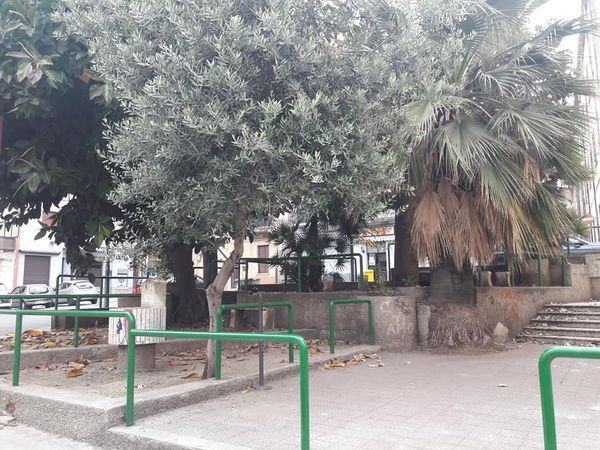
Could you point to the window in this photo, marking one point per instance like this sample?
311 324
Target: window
263 252
38 289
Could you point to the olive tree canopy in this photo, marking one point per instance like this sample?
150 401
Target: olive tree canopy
244 109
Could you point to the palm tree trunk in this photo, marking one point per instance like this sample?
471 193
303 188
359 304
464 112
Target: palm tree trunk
406 264
449 285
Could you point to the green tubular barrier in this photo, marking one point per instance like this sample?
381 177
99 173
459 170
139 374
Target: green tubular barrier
65 313
293 339
545 376
219 325
332 305
77 297
299 260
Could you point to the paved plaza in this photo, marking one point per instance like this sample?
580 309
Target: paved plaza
417 400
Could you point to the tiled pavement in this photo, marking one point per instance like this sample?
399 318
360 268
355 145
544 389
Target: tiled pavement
417 400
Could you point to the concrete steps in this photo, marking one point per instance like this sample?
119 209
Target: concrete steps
577 323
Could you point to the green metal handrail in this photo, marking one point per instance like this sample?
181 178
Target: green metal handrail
55 297
298 259
219 324
332 305
19 313
545 376
99 277
293 339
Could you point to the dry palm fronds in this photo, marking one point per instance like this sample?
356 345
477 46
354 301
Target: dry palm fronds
456 325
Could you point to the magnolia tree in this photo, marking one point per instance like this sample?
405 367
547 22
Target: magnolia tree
244 109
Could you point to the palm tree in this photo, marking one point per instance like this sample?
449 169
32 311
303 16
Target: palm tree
498 136
313 237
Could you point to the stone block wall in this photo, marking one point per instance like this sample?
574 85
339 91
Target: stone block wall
394 315
516 306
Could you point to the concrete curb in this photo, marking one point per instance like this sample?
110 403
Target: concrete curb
87 418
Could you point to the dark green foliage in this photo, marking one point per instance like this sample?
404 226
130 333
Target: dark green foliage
52 148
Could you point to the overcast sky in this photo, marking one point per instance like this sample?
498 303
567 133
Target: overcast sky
560 9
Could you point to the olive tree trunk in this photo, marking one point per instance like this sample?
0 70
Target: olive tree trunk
190 308
214 292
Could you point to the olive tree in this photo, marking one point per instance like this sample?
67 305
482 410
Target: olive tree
243 109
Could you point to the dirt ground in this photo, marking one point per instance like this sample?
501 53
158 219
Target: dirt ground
102 376
36 339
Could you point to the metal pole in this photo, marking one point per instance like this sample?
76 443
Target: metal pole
261 347
291 331
331 328
564 270
371 325
299 275
218 344
76 324
56 291
17 351
304 396
130 374
101 292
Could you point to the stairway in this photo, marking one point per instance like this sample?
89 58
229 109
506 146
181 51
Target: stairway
567 323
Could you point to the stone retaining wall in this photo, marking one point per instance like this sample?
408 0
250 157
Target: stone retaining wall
394 315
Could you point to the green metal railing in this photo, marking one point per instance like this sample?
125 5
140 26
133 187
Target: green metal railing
545 376
18 313
332 305
55 297
219 324
292 339
299 260
62 276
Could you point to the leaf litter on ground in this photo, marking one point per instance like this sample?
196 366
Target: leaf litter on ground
358 358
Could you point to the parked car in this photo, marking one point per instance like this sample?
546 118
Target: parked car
77 287
3 291
32 289
577 246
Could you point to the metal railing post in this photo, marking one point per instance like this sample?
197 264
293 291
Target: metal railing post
56 291
52 313
76 324
130 383
238 306
289 338
17 350
299 275
331 328
332 305
218 344
545 377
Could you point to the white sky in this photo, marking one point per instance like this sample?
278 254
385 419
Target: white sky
557 10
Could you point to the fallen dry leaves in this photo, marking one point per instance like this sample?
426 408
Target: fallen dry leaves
335 363
35 339
190 375
74 373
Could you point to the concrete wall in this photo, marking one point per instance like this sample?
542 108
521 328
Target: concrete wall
394 315
516 306
593 266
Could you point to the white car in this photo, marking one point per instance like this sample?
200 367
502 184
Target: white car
77 287
4 291
32 289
